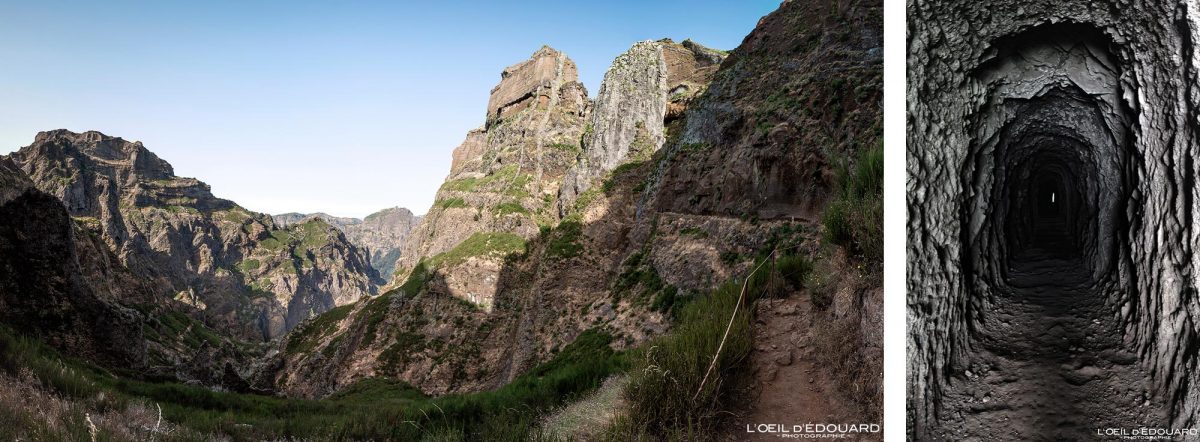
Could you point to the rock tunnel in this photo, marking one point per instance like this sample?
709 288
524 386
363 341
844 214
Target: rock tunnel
1051 200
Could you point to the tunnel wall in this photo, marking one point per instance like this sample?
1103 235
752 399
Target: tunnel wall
950 96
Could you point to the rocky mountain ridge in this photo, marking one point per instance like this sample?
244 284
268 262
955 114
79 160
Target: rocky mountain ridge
60 283
381 234
239 269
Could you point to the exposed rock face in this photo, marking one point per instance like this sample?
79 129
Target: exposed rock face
60 283
547 69
504 177
1052 138
55 282
245 273
614 258
627 123
801 91
381 234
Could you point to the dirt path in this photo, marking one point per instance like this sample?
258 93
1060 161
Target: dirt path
1049 364
791 389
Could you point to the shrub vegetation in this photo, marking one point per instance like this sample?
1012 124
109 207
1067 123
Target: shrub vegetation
854 219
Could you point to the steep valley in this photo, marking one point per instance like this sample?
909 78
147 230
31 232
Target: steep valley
652 251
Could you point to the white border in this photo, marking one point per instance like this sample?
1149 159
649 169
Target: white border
895 220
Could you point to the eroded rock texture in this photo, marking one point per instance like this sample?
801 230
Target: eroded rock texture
1051 197
244 273
650 81
56 283
381 234
503 178
60 282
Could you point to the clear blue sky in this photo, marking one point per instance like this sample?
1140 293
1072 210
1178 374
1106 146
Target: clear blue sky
294 106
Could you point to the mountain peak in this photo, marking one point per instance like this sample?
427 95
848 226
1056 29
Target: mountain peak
530 81
91 135
97 149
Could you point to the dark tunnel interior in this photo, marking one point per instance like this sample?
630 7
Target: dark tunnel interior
1068 299
1047 225
1050 158
1052 213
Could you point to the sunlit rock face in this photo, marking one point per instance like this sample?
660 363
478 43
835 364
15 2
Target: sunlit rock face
1052 143
242 272
502 179
644 88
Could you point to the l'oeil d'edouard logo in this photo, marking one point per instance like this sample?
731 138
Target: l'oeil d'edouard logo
813 431
1149 433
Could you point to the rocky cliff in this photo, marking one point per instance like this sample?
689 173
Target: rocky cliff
381 234
59 282
238 268
644 89
54 282
503 273
504 177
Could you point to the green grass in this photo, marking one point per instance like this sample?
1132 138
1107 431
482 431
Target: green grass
277 241
667 396
854 219
563 241
510 207
249 265
173 326
570 148
315 233
370 409
376 389
403 346
309 334
507 181
479 244
450 203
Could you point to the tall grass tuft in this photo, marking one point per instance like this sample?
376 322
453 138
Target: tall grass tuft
667 394
854 219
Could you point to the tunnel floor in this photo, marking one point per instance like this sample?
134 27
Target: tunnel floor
1048 364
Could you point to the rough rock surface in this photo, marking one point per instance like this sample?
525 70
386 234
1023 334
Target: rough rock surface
381 234
242 271
630 111
59 282
522 85
54 283
802 92
1050 193
502 184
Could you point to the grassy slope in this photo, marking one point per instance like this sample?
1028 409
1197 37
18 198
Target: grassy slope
371 409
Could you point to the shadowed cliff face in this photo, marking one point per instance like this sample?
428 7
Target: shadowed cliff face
54 283
1051 186
241 270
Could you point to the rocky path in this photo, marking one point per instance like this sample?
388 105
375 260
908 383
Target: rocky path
791 389
1049 364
